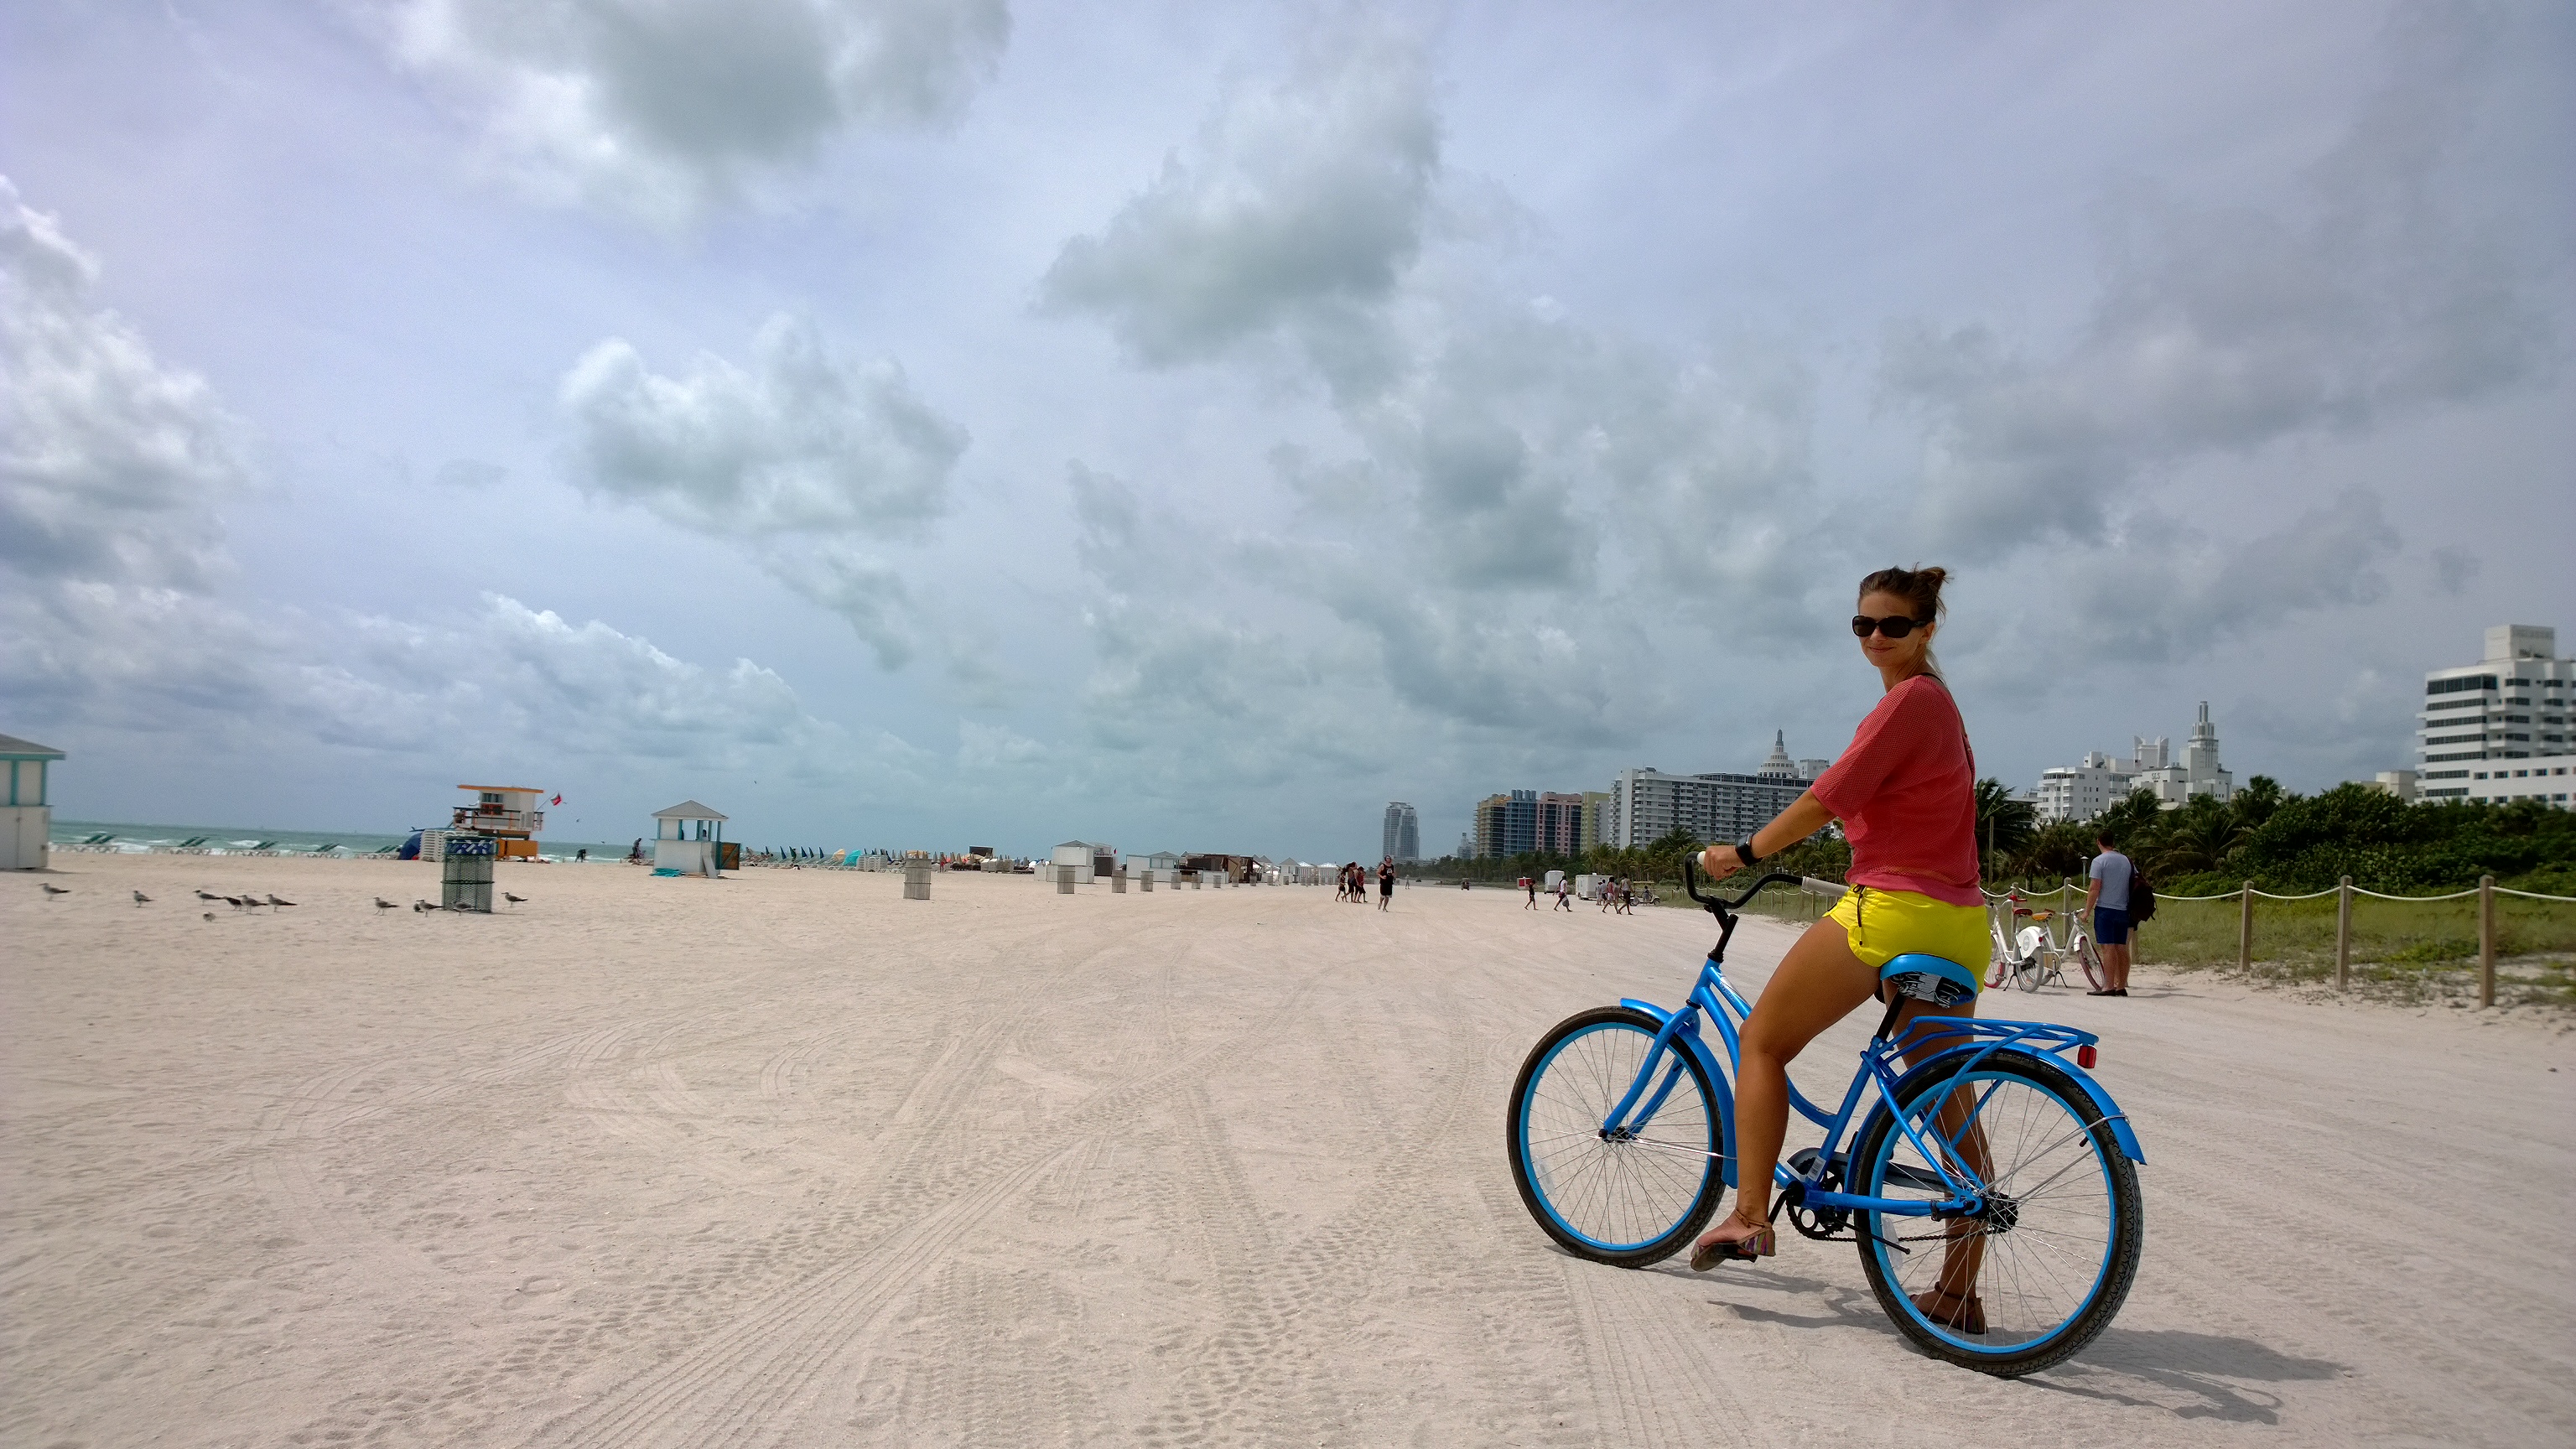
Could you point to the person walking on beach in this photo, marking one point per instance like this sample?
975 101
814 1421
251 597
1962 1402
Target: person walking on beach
1906 794
1530 885
2106 895
1385 882
1564 896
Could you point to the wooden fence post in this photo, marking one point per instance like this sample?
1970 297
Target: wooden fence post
2486 940
2343 934
2245 931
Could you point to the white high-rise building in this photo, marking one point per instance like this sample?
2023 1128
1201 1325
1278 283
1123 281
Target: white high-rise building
2080 792
1403 833
1645 804
2199 772
2513 705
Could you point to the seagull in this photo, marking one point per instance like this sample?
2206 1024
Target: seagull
274 901
239 904
140 899
201 895
514 900
419 906
383 905
52 889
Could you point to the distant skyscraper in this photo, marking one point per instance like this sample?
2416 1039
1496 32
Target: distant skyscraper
1507 824
1402 838
1596 822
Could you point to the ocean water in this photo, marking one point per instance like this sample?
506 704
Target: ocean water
133 838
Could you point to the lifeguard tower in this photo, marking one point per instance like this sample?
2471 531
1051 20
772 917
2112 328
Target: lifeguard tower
27 820
506 813
688 839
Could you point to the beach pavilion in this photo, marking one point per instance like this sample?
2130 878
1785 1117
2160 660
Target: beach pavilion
27 821
688 838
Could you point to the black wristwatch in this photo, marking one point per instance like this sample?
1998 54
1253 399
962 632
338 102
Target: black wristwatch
1744 851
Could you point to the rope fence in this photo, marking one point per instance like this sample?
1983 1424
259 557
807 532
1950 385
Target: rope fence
2345 893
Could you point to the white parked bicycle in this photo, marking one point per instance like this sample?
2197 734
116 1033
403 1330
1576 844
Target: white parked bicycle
2030 957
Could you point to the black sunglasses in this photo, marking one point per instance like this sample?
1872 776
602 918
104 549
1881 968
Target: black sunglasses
1894 626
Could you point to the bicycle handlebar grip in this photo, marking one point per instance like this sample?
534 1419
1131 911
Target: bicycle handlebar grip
1825 888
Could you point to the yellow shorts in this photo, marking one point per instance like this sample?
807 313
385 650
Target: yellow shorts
1882 925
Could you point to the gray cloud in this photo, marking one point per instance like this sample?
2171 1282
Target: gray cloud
1297 210
587 689
797 443
664 107
799 457
160 662
2167 591
2454 569
870 594
2365 294
111 462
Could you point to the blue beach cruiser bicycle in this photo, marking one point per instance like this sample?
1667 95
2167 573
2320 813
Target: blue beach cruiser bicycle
1993 1169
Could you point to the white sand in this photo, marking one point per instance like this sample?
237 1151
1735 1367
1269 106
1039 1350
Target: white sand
788 1160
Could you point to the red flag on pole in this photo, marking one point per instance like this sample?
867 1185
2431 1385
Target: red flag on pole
558 800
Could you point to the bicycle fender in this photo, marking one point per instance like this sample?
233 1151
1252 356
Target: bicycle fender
1718 1081
1950 1060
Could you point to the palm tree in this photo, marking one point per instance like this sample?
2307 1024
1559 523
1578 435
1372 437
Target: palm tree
2005 823
2200 837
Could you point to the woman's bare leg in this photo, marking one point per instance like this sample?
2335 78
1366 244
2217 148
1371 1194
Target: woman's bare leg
1818 984
1965 1252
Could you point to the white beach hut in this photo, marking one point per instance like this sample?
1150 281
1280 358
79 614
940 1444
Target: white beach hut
1080 855
27 820
689 838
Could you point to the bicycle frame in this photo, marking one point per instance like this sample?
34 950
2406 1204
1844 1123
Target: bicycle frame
1957 1044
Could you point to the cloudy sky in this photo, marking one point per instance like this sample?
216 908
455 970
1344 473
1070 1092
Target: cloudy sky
917 422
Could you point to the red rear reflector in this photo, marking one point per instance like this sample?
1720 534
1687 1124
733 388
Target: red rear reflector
2085 1056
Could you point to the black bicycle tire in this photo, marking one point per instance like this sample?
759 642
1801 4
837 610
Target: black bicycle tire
1712 1188
2129 1242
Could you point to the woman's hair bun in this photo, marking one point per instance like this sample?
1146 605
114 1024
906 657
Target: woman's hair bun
1919 587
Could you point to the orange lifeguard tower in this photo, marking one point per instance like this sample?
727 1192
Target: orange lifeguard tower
507 813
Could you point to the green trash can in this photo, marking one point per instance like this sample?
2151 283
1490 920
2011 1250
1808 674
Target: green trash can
465 873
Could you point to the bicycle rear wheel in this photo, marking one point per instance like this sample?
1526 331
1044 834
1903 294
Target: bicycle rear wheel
2034 971
2049 1263
1629 1198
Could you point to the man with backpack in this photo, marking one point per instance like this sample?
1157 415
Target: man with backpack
2115 888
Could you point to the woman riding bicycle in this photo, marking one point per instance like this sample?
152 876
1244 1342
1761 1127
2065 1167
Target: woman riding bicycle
1906 794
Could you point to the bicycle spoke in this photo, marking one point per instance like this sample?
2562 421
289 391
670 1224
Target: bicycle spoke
1627 1189
2037 1255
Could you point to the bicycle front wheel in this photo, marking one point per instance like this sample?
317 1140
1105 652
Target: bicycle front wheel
2092 963
2045 1269
2034 971
1630 1197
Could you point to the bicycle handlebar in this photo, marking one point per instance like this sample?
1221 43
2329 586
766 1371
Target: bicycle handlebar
1717 904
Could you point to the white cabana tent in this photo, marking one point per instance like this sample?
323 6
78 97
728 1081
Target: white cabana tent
689 838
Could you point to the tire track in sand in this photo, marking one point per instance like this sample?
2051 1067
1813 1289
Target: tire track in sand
730 1388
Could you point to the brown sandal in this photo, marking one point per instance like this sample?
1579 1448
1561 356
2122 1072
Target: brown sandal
1952 1310
1756 1244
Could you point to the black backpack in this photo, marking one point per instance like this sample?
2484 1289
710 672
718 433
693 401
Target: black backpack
2142 896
